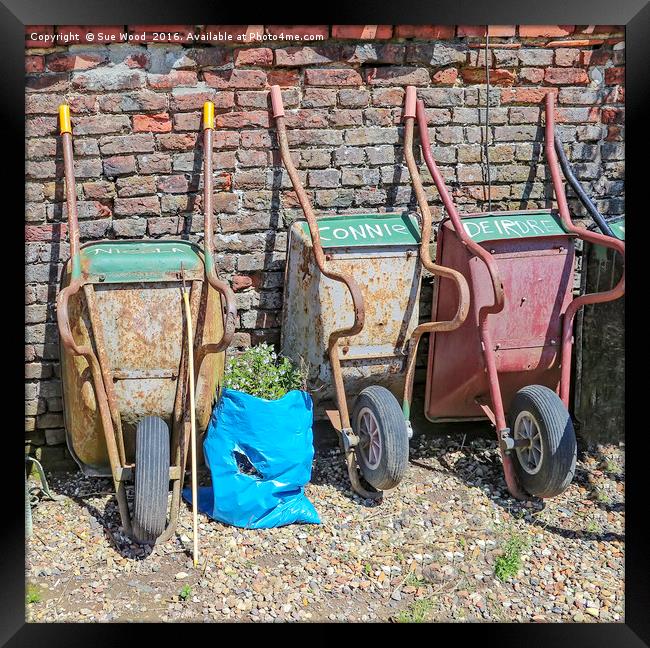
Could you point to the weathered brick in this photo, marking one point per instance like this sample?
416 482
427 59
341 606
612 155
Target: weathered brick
162 225
177 142
346 155
143 206
105 79
369 136
172 79
385 54
448 76
132 186
353 98
387 76
440 97
154 163
535 57
388 97
307 55
142 100
101 125
130 227
254 56
332 77
121 144
533 31
566 76
237 78
359 177
66 61
614 75
437 54
318 98
157 123
531 75
34 64
99 190
257 118
497 77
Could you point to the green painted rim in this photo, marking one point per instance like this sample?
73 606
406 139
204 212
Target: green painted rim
366 230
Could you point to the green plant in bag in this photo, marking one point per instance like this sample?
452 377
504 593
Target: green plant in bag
260 371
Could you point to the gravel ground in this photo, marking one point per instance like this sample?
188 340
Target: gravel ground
430 552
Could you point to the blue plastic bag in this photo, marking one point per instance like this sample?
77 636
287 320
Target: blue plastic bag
275 436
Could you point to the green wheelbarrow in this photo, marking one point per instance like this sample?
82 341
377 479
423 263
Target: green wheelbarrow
124 358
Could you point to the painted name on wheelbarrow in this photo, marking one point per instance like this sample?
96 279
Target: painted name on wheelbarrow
512 226
367 230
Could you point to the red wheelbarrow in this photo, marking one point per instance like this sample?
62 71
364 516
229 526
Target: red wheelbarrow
510 361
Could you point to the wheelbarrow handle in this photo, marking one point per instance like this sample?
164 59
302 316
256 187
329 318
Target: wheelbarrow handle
63 319
473 247
592 237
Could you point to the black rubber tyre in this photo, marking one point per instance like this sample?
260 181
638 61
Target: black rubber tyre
151 479
386 466
550 471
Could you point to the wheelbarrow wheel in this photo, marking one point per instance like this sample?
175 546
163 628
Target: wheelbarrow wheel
383 449
546 465
151 479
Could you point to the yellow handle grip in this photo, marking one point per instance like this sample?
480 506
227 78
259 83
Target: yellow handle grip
64 119
208 115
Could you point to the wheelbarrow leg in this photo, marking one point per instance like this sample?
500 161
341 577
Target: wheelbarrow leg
350 440
499 416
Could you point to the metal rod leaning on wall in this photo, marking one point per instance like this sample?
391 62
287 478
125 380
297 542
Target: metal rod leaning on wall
228 297
425 256
593 237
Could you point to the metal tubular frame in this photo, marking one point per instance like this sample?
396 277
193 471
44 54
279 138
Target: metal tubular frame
425 256
101 375
593 237
497 415
347 280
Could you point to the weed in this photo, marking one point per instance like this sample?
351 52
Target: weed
399 555
602 496
367 568
593 527
413 580
185 593
509 563
261 372
462 542
33 594
613 468
417 612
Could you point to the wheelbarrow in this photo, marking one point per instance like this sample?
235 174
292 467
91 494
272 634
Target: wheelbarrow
512 356
124 358
350 313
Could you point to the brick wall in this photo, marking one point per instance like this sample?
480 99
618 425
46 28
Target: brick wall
136 114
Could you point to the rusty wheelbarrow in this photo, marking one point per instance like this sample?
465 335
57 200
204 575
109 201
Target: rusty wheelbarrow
124 361
350 313
512 356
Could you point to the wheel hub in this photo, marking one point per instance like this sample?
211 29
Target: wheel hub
369 438
531 452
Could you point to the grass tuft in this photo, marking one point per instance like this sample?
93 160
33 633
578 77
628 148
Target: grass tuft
508 564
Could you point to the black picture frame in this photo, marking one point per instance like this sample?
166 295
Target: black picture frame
634 14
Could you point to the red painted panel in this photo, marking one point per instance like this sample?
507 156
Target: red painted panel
537 275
